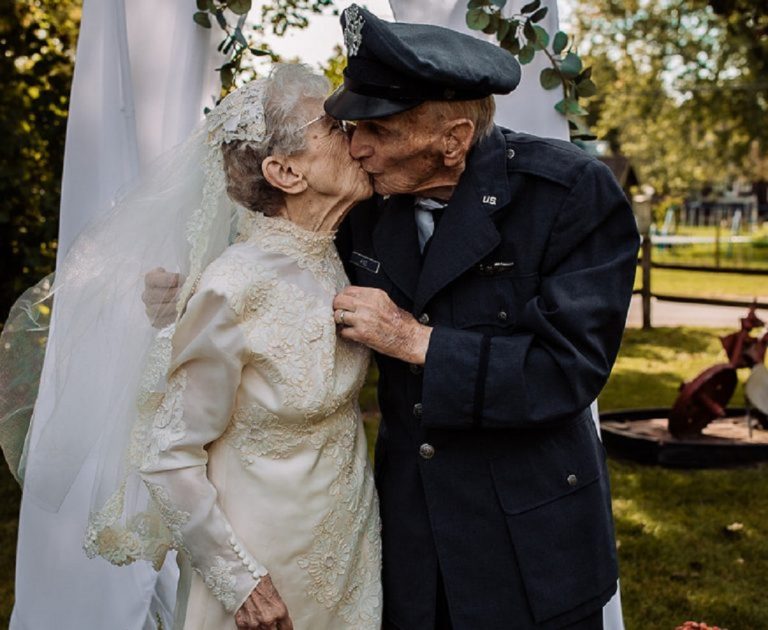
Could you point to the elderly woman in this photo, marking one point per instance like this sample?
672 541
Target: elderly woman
250 442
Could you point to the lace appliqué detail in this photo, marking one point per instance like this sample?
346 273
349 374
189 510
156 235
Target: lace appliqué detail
343 569
247 286
314 251
240 116
256 432
222 582
173 519
168 425
149 535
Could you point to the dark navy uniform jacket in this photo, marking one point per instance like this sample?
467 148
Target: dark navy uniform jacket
488 465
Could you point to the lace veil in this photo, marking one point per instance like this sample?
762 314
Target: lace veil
105 366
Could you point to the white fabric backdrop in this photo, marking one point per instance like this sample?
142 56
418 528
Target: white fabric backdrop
529 108
142 77
144 72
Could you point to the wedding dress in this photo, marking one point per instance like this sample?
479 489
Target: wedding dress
260 375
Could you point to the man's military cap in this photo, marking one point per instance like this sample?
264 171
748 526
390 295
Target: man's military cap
393 67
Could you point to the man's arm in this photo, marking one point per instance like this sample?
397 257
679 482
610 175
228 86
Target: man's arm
368 316
566 338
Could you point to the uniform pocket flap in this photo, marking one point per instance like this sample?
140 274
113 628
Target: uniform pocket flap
553 467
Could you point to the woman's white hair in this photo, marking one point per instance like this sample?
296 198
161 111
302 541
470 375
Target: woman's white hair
290 86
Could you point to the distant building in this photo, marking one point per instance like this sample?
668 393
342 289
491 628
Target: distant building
620 165
622 170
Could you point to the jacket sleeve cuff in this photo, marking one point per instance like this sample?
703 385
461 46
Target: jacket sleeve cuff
454 379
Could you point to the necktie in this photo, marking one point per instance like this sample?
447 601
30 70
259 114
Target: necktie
428 213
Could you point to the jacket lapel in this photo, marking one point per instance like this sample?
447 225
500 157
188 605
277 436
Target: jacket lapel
396 243
466 233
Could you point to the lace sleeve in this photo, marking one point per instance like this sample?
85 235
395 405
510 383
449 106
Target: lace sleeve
209 353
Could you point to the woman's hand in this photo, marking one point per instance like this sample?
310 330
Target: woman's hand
161 291
264 609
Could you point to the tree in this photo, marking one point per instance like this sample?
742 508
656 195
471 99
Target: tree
682 95
38 39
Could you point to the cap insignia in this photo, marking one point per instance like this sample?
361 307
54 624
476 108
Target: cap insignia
353 31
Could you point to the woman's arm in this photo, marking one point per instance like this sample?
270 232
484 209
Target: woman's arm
209 352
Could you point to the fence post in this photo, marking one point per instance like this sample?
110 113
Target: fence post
646 289
718 226
642 208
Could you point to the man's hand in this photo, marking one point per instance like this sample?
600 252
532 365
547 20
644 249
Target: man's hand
264 609
161 291
369 317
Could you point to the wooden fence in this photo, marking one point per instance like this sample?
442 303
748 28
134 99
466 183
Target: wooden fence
646 263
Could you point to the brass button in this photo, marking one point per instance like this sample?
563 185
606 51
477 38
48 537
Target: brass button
417 410
415 369
424 319
502 315
427 451
572 480
510 153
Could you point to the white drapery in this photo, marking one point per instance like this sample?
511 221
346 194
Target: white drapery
529 108
143 74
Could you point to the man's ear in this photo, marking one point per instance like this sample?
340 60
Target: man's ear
457 141
281 173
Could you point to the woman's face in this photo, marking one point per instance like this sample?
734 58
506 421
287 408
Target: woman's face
326 163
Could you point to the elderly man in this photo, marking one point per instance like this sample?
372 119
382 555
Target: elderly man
492 275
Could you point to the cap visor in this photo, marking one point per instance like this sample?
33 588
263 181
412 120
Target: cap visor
346 105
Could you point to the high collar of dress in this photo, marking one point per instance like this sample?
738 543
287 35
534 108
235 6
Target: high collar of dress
287 236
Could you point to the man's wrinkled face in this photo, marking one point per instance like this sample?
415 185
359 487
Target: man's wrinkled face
402 153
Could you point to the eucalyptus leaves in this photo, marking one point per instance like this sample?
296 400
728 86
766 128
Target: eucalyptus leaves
522 36
234 45
279 15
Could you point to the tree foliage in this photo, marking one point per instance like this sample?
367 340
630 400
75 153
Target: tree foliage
38 39
333 68
685 93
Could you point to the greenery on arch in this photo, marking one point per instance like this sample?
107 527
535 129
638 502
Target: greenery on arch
240 39
523 36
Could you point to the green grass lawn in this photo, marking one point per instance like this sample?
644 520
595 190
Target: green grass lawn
653 363
704 284
678 559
